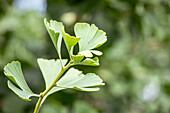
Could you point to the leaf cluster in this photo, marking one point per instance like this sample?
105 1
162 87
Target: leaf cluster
88 37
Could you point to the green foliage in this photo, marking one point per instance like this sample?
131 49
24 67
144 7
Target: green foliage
14 72
70 41
91 38
74 79
90 62
52 70
54 29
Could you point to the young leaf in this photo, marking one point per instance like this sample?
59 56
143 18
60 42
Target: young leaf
54 30
91 37
13 71
70 41
74 79
77 58
89 62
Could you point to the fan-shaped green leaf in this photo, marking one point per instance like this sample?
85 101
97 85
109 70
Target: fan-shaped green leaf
54 30
13 71
74 79
70 41
50 69
91 37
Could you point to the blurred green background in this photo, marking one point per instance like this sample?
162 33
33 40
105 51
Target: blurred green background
135 65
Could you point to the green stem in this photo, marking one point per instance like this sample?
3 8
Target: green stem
38 105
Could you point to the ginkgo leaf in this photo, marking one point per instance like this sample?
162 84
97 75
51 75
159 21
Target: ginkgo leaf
50 69
91 37
54 30
89 62
74 79
14 72
77 58
70 41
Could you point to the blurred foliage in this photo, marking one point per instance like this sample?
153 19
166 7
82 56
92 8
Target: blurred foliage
135 65
18 38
